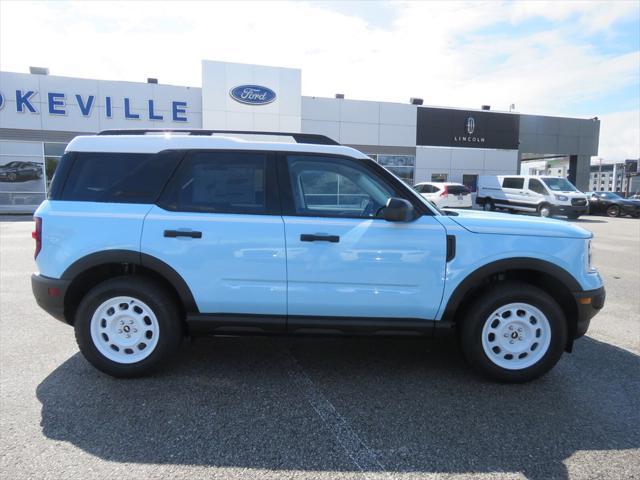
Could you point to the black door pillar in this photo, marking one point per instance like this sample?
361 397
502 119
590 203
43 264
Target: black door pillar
573 168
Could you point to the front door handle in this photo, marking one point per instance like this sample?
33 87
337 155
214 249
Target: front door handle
308 237
182 233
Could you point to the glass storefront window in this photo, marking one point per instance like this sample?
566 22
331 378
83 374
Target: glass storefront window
438 177
22 184
52 154
470 181
402 166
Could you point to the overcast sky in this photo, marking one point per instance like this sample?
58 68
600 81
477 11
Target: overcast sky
560 58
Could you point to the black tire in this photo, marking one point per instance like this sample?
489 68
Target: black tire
488 205
156 297
480 312
613 211
544 210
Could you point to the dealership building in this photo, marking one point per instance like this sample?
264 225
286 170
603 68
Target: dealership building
41 113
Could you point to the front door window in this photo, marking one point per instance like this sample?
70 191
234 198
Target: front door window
323 186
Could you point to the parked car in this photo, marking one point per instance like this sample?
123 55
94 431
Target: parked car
18 171
527 193
445 194
613 205
202 233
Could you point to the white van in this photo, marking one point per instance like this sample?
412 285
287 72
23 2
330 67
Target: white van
528 193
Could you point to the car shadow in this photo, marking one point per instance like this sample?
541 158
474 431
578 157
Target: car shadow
237 402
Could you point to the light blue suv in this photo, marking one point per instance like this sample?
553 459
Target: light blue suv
149 236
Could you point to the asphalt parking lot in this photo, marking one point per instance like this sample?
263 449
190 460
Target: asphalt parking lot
319 408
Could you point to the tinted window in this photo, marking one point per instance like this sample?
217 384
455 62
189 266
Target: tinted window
118 177
512 182
457 190
535 185
336 187
221 182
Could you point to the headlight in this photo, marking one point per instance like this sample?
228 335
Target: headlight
589 257
562 198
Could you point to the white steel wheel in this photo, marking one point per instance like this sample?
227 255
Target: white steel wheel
516 336
487 206
124 329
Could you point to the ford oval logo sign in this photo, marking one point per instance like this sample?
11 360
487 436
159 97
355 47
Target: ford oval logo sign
252 94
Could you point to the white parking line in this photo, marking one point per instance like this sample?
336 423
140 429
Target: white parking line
364 458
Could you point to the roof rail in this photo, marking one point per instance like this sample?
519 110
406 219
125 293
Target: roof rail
310 138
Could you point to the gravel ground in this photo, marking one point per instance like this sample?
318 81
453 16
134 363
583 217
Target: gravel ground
233 408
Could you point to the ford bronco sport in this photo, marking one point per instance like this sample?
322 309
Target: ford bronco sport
149 236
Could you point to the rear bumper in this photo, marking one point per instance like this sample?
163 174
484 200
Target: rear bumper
589 302
569 210
49 294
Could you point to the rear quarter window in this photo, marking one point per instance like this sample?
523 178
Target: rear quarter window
117 177
513 182
458 190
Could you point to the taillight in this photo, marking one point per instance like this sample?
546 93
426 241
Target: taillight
445 192
37 236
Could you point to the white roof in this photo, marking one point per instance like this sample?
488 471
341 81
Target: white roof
440 184
157 143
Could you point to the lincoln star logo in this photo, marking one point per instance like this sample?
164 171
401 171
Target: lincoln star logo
252 94
471 125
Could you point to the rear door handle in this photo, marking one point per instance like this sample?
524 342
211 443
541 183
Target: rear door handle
308 237
182 233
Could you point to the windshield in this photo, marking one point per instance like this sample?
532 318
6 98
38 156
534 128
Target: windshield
558 184
610 195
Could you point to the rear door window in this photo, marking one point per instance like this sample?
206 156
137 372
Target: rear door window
118 177
223 182
513 182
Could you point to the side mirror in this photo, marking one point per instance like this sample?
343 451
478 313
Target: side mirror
398 210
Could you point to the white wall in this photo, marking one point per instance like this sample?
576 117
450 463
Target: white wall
458 161
221 111
73 120
356 122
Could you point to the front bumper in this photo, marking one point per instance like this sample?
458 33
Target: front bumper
569 210
589 302
49 294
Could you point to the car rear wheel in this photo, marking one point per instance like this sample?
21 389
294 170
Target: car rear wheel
127 326
514 333
613 211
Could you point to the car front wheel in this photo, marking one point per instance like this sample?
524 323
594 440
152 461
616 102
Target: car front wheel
544 210
488 205
513 333
127 326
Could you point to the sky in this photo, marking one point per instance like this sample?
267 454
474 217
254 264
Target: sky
568 58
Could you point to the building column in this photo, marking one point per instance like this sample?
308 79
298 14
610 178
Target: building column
579 171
